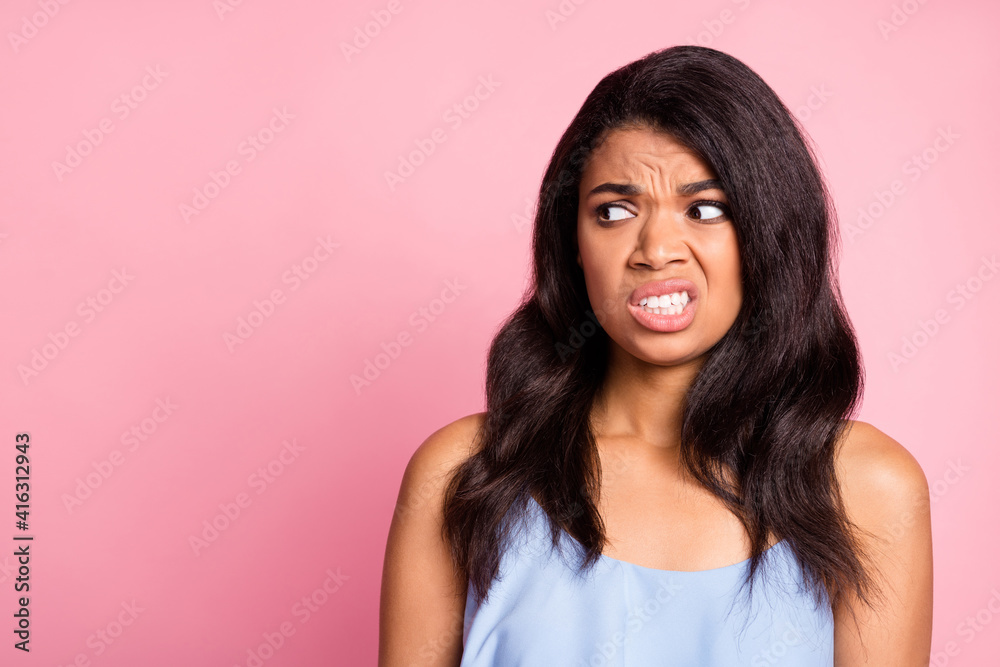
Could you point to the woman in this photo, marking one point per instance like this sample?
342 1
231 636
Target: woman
666 472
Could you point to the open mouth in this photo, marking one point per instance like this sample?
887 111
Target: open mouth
665 304
665 312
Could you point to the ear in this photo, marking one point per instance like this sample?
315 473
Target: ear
579 260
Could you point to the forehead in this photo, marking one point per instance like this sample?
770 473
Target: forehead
642 153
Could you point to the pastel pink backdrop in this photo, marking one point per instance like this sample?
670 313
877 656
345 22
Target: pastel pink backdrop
202 80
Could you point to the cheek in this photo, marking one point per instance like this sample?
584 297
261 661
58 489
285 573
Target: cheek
602 281
730 280
592 258
600 249
597 279
723 273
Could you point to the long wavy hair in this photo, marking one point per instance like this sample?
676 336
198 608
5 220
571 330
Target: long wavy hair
765 412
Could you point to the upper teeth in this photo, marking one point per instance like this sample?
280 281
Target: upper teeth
665 304
664 300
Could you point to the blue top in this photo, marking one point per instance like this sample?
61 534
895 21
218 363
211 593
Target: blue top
542 612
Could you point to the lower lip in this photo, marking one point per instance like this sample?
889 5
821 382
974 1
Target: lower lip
664 323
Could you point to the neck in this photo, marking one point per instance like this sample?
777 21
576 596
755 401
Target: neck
640 405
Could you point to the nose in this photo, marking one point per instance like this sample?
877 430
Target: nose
662 239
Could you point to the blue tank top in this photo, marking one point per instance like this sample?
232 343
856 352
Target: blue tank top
543 612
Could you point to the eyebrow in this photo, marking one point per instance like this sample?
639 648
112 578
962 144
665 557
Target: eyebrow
631 189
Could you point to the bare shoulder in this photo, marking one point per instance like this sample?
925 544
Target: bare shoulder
431 467
443 451
452 443
422 601
877 473
886 498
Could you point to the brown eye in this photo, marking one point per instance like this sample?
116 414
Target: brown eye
708 211
604 213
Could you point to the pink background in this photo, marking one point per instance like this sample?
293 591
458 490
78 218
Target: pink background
878 98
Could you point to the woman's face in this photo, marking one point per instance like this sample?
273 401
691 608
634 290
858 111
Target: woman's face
652 211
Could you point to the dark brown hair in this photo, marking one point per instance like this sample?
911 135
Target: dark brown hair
769 404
